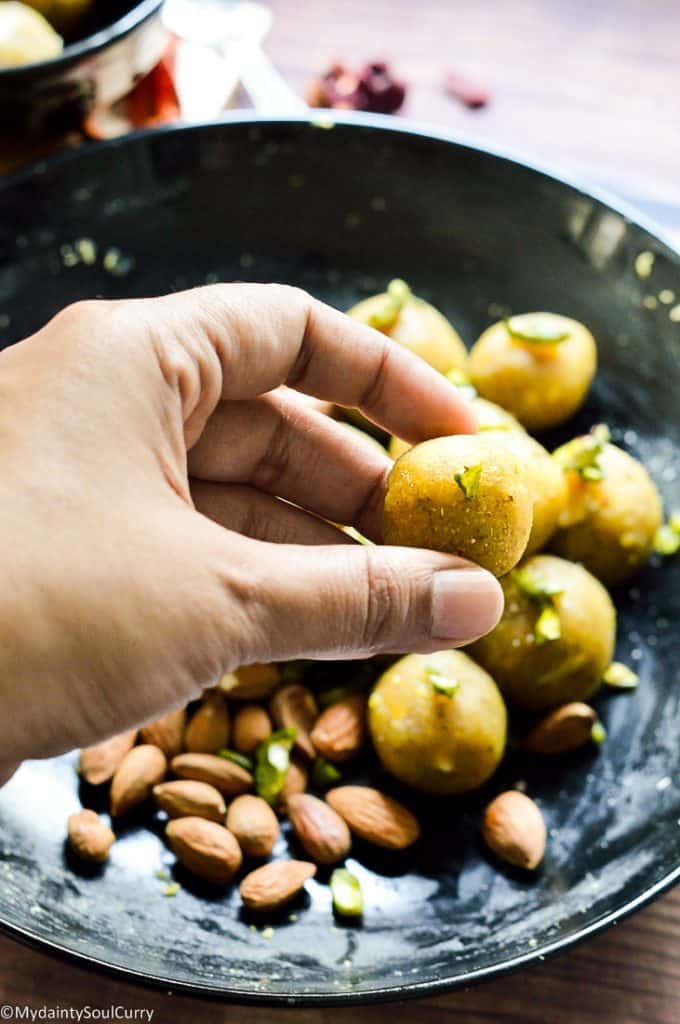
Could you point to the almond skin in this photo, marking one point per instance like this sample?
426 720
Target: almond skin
90 837
294 707
250 682
565 728
252 725
374 817
514 830
273 885
297 779
205 848
166 732
254 824
141 769
209 727
183 798
340 730
319 829
99 763
227 777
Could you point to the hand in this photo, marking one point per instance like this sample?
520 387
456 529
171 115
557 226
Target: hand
146 447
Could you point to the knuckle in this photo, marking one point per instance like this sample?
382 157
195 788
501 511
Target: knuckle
383 601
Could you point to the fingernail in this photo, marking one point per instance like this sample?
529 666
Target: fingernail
466 604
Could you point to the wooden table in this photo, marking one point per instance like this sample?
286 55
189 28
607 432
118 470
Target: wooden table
592 88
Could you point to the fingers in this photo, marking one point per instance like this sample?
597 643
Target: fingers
353 601
277 443
257 337
247 511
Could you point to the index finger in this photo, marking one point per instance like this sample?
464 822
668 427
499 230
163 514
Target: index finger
268 335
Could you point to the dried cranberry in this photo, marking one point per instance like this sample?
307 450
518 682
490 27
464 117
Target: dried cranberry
373 89
385 93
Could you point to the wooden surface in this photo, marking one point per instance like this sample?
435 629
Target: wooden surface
591 87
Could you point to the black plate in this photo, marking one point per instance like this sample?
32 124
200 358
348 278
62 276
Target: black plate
339 211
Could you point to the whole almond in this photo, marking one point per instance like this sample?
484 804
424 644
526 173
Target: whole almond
226 776
166 732
340 730
273 885
297 778
319 829
514 829
209 727
374 817
205 848
250 682
252 725
294 707
141 769
98 763
90 837
183 798
254 824
563 729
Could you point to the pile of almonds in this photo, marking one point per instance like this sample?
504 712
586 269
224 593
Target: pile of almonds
226 772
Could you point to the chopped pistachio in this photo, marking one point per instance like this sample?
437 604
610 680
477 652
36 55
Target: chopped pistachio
239 759
398 293
468 480
534 585
535 329
598 733
582 455
666 541
172 889
441 684
620 677
162 875
272 761
346 893
268 933
462 382
324 774
674 521
548 626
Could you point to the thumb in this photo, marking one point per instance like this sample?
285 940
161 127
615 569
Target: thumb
354 601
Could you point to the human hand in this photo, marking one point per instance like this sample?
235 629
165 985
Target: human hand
135 574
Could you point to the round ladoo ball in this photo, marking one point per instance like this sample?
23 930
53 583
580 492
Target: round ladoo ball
438 722
546 484
613 509
555 638
415 324
464 495
539 366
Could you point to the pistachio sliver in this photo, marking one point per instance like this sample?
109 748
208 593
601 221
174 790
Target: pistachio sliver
535 586
441 684
325 774
598 733
239 759
666 541
535 329
468 480
582 455
620 677
385 315
548 626
272 761
346 892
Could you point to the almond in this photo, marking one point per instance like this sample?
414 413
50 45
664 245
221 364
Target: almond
252 725
209 727
183 798
205 848
166 732
254 824
374 817
294 707
323 833
141 769
226 776
99 763
90 837
514 829
340 730
297 778
250 682
563 729
272 885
